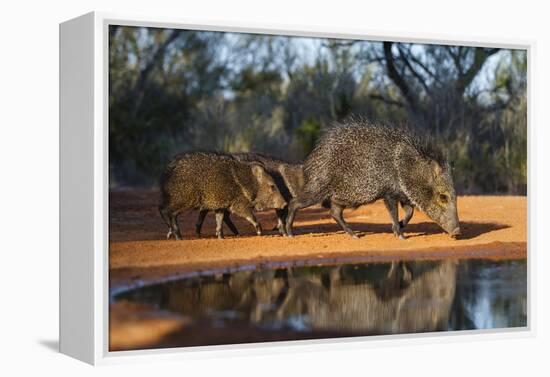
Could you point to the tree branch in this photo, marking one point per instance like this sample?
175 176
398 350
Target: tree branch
413 71
480 56
151 64
456 58
396 77
425 69
157 56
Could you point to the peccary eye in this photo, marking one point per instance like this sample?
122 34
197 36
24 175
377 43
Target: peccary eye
443 198
272 187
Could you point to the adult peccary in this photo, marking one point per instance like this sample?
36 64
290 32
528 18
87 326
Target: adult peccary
288 178
358 163
216 182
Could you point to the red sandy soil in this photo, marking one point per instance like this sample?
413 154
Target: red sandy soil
137 326
493 227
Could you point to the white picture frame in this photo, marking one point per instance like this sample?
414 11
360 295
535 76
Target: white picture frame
84 294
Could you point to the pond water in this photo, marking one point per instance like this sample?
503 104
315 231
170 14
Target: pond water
352 299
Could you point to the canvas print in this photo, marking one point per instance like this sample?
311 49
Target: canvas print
278 188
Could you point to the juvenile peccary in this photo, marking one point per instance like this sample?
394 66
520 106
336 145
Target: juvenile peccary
216 182
288 178
358 163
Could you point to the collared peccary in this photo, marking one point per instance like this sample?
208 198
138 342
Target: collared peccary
288 178
219 183
358 163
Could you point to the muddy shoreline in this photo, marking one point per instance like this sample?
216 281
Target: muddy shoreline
126 278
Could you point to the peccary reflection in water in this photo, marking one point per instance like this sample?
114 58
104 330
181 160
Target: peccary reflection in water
403 301
236 295
381 298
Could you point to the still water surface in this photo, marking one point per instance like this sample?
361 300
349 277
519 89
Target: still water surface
373 298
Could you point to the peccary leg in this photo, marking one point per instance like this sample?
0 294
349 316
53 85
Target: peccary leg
219 223
175 226
400 274
171 219
200 220
167 220
169 234
226 220
393 270
256 224
281 219
294 205
407 274
229 223
247 214
391 205
336 211
409 211
252 220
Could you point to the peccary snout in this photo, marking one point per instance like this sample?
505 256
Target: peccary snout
450 222
452 227
456 232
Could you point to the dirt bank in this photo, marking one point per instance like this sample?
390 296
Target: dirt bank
493 227
138 326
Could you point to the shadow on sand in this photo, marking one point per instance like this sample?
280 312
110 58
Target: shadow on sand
138 219
470 230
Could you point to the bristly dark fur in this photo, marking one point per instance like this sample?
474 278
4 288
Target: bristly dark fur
182 155
209 181
425 146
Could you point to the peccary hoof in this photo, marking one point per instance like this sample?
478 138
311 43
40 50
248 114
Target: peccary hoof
354 235
402 237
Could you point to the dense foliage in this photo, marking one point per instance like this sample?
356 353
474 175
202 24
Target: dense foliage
177 90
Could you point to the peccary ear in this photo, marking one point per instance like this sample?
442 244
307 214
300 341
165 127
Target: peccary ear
259 172
436 168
